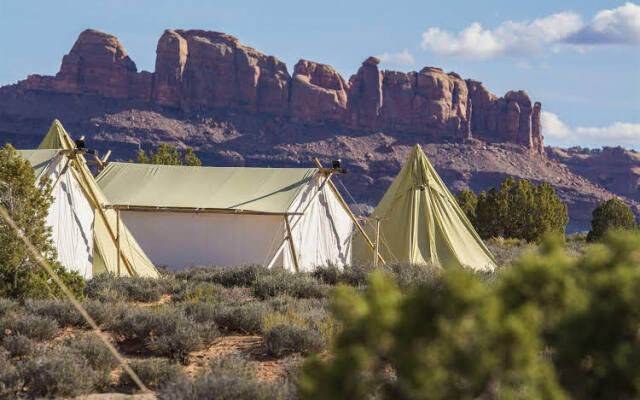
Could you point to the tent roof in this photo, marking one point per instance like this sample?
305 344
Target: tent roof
422 222
263 190
39 159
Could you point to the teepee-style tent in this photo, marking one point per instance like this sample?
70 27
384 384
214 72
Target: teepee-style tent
79 212
421 222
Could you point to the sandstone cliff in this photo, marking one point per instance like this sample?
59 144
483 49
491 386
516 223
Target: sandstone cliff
198 70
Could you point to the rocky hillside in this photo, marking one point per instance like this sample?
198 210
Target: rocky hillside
237 106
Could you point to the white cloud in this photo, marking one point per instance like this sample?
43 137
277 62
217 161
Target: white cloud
403 58
617 26
618 133
553 33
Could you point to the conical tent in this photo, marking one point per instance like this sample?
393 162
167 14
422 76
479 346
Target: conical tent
421 222
107 229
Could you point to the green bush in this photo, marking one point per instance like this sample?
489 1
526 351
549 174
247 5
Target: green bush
28 202
57 373
155 373
519 209
18 345
167 154
245 318
282 340
60 310
32 326
611 214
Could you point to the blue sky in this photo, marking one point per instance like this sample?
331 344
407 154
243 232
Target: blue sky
581 59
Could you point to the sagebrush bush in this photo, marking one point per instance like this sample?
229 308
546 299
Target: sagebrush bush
58 373
108 287
282 340
165 332
245 318
97 355
18 345
7 305
32 326
286 283
153 372
10 380
229 377
228 277
60 310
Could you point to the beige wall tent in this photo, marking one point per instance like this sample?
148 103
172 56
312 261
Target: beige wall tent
89 238
421 222
201 216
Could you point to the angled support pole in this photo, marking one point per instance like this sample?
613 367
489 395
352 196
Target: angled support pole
291 245
348 211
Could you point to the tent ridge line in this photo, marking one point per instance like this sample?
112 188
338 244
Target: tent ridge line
196 210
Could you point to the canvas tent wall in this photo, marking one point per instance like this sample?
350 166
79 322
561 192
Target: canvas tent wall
115 250
195 216
421 222
70 214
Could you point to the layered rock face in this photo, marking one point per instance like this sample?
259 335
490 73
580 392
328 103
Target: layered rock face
198 69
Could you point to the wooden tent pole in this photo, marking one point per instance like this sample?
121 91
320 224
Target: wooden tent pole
59 178
291 245
375 258
277 253
348 211
118 237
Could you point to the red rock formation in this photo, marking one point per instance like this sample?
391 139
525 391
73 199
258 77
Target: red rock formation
318 94
198 69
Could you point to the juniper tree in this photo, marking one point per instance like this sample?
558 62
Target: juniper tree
169 155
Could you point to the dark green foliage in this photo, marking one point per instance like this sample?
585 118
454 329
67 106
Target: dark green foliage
155 373
518 210
57 373
283 339
32 326
18 345
611 214
169 155
289 284
27 202
108 288
468 202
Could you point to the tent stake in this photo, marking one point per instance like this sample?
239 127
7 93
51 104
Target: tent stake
348 211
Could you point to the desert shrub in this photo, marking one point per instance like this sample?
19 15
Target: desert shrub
329 274
356 275
97 355
32 326
107 287
10 380
208 292
57 373
153 372
519 209
291 284
103 313
229 377
19 345
60 310
611 214
407 275
27 202
227 277
309 314
468 202
282 340
8 305
246 318
166 332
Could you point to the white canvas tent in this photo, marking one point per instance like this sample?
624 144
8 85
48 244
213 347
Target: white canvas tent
70 215
204 216
88 238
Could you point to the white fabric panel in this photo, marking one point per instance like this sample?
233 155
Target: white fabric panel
323 235
183 240
71 221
